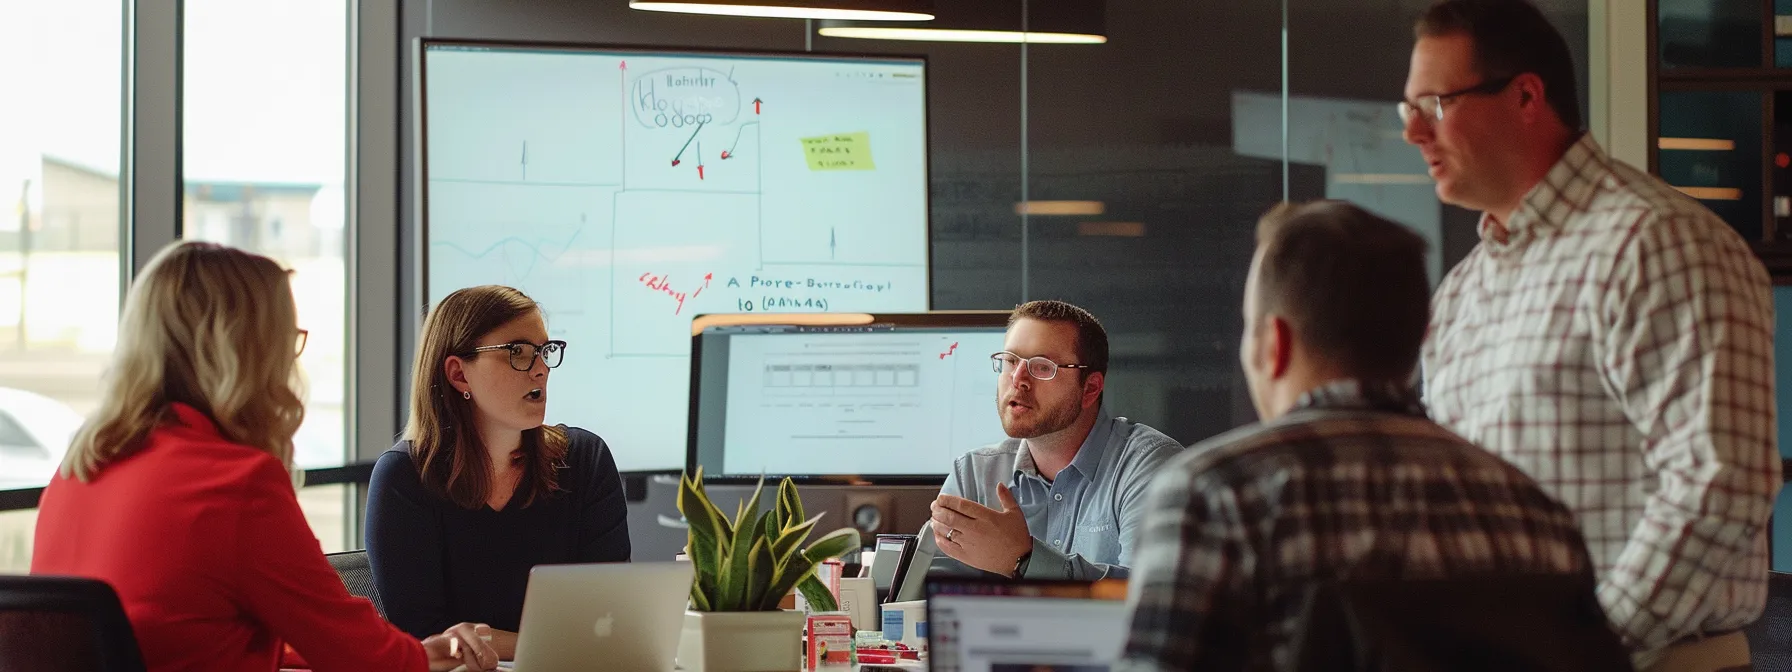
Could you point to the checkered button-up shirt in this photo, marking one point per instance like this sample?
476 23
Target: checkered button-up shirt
1240 528
1617 345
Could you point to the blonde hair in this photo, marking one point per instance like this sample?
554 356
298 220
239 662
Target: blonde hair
451 457
205 325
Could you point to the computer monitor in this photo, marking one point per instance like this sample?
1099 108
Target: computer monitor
842 398
990 625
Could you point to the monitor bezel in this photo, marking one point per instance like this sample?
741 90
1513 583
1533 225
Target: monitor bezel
928 320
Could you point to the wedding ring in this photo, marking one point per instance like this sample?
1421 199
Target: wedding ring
951 532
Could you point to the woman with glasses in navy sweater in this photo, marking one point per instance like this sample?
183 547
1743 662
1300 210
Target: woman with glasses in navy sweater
481 490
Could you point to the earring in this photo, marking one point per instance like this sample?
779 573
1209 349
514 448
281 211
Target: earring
466 394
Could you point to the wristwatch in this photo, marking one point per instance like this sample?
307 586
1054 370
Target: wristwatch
1020 564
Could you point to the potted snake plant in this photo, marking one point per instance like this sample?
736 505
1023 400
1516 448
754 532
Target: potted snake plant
744 568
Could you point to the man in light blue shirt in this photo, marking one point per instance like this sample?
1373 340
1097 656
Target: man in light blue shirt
1061 498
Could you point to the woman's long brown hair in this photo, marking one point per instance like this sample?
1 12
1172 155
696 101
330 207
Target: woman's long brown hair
451 457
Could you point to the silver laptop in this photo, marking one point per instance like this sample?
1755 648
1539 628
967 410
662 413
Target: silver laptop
614 616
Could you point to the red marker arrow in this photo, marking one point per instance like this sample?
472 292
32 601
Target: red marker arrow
756 103
725 155
699 159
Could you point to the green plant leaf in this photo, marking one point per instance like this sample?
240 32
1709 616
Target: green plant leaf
759 575
737 571
794 574
698 601
749 510
804 565
792 537
833 545
817 595
769 527
706 556
705 543
790 505
789 574
721 599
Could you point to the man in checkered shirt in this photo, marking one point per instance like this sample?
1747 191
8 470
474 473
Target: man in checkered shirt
1345 478
1610 336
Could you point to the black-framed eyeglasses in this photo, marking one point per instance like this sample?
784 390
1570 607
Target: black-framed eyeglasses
1038 367
299 346
522 355
1433 106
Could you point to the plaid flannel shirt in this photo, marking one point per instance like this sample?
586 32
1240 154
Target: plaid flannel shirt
1349 484
1618 347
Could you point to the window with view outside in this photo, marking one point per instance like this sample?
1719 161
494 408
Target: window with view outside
264 147
60 115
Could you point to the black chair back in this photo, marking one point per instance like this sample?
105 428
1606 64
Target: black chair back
64 624
1531 623
1770 637
357 575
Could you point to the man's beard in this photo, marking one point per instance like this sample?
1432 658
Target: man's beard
1040 421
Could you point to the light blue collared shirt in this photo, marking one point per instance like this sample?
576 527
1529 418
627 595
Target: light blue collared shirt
1084 522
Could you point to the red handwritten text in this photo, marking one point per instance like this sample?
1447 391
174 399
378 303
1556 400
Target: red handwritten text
663 284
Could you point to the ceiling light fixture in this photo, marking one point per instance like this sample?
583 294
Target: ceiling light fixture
1060 208
1712 193
1696 144
1046 22
845 10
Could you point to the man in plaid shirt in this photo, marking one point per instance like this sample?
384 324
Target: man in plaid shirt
1345 478
1609 336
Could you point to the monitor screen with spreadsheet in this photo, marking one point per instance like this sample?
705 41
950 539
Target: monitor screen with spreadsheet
842 398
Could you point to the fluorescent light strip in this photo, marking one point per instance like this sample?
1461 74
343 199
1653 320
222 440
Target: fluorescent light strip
1696 144
946 35
1712 193
779 12
1060 208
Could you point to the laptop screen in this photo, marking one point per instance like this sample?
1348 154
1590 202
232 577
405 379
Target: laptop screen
987 626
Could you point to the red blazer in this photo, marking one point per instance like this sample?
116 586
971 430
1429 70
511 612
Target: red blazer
204 542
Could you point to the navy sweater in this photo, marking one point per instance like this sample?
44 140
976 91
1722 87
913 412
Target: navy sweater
437 564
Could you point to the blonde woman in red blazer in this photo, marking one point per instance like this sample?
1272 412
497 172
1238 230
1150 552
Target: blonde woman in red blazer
180 490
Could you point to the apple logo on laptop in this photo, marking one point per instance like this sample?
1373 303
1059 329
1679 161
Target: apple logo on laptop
605 626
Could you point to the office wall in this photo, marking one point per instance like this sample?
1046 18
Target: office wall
1177 127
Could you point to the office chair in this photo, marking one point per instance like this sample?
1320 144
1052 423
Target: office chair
1770 637
1533 623
356 575
64 624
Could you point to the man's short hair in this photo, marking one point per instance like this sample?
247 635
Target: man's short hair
1511 37
1091 338
1353 286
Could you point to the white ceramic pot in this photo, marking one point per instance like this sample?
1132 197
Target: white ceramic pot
745 641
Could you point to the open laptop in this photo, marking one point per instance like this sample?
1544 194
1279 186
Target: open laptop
614 616
1000 625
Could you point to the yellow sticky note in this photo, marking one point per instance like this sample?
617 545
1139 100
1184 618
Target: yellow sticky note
839 151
